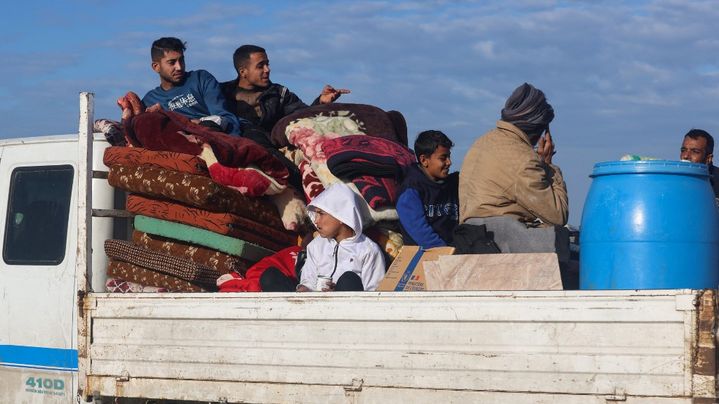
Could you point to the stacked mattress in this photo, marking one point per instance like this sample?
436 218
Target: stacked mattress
188 229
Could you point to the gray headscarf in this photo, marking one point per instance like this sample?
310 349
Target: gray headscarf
528 109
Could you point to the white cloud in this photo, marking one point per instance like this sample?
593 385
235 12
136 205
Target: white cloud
485 48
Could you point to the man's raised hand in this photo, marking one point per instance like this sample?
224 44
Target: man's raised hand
330 94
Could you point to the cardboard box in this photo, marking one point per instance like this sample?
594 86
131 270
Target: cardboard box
407 270
528 271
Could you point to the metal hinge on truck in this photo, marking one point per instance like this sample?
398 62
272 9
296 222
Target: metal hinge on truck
619 395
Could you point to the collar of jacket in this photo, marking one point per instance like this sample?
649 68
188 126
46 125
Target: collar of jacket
272 90
513 131
231 85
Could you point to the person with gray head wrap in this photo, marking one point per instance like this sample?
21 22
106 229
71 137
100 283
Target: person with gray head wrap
508 186
527 109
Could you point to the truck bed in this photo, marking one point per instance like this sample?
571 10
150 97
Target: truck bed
423 347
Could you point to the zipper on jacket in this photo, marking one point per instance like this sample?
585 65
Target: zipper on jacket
337 246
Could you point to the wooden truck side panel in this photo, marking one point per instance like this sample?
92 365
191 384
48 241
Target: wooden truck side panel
368 347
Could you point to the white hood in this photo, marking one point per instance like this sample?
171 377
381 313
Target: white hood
339 201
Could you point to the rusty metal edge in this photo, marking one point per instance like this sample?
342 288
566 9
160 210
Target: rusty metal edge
705 352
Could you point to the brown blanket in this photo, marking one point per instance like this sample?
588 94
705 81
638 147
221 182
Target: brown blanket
163 263
146 277
138 156
223 263
222 223
193 190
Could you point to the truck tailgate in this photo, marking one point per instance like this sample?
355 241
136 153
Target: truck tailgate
553 347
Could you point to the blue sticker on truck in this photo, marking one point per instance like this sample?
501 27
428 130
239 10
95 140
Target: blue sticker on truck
38 357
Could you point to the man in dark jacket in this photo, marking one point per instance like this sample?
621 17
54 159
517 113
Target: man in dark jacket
261 103
254 97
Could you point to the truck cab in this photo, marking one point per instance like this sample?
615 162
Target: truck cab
38 283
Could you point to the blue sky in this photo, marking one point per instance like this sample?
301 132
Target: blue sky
623 77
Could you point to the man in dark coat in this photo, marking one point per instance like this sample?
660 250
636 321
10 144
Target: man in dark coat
261 103
254 97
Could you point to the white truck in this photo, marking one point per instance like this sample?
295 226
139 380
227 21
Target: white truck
63 340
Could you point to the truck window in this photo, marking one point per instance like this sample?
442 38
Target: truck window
37 215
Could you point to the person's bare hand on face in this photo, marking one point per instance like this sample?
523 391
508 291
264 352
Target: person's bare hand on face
545 147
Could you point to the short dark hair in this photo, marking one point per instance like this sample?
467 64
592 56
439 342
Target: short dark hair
428 141
697 133
242 55
163 45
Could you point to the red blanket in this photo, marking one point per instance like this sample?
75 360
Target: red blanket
284 260
311 183
354 155
161 131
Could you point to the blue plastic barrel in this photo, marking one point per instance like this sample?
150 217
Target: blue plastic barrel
649 225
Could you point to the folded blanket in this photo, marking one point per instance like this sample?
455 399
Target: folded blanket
222 223
114 285
349 157
223 263
374 165
284 260
138 156
377 192
112 131
311 183
367 119
193 190
308 134
369 215
146 277
163 130
167 264
183 232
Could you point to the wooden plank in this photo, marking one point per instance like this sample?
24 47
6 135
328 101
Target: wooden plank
415 306
508 335
440 379
323 394
380 357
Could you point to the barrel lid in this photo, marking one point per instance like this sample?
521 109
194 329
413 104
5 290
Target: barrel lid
650 167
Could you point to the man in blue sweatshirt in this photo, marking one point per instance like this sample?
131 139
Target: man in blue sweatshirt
195 94
428 203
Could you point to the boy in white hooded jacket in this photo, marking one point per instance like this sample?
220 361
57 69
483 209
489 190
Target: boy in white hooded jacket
342 253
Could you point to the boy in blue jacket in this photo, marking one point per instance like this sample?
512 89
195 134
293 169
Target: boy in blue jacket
428 203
